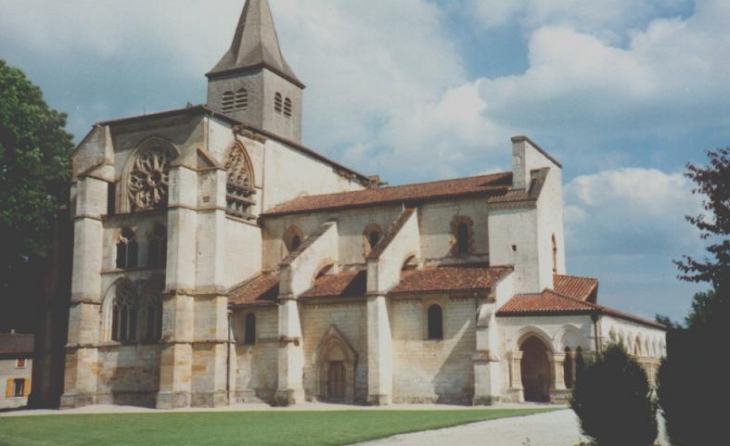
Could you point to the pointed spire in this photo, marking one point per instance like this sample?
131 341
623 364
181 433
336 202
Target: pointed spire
255 44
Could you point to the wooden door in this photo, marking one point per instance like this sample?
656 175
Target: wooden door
336 380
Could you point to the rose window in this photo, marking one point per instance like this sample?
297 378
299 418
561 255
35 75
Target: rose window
149 180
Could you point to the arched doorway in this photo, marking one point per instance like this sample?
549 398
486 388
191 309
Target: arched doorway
336 368
535 366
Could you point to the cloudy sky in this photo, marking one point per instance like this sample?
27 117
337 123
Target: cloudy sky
623 92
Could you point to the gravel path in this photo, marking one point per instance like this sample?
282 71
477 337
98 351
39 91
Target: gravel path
559 428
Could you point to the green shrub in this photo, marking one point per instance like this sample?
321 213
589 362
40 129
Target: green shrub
693 387
613 401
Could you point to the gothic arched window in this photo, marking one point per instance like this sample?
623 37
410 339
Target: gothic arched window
149 178
292 239
239 184
127 249
124 314
250 330
435 322
463 235
157 247
372 234
152 299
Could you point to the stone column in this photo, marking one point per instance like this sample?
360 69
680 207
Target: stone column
558 392
558 361
380 352
516 390
291 355
487 386
210 337
80 382
179 307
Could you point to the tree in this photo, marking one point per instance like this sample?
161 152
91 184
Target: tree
712 181
613 400
34 171
692 381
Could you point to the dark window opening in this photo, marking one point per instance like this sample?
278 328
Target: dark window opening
18 387
127 250
111 192
296 242
373 239
462 238
157 248
435 322
124 315
249 337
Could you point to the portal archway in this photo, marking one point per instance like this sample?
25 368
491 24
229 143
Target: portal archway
535 368
336 367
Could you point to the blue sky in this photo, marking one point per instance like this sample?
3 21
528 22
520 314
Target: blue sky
623 92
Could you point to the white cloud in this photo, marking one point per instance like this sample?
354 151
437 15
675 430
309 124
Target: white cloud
609 19
668 81
631 211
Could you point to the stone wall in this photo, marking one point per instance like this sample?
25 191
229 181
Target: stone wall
256 365
349 319
128 375
433 371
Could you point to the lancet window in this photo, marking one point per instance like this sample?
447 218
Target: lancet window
239 184
124 314
127 249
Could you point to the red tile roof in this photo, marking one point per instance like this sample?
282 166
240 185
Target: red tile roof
16 345
551 303
582 288
547 302
411 194
347 284
262 290
450 279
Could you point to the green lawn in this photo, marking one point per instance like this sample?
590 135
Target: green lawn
315 428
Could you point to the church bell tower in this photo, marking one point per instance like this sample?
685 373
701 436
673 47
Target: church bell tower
253 83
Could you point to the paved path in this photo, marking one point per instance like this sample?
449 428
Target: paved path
559 428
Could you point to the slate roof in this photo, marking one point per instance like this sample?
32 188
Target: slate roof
410 194
255 44
582 288
16 345
551 303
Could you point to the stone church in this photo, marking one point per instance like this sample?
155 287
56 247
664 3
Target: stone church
218 260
